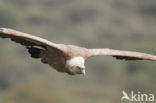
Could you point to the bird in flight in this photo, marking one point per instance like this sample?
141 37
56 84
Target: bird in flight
66 58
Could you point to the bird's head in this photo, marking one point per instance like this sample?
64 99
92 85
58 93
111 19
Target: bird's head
75 65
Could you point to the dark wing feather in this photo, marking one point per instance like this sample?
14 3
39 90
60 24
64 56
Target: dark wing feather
120 54
18 38
27 39
127 58
31 42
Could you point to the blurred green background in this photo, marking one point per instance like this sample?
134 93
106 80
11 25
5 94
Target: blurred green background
116 24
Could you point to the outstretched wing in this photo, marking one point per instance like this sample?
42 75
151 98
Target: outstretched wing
119 54
27 39
31 42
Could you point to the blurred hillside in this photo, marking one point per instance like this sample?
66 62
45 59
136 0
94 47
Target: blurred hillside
116 24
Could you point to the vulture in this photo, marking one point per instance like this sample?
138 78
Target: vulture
66 58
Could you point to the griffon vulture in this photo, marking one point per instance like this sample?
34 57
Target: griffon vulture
66 58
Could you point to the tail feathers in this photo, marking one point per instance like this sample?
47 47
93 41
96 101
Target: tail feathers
35 52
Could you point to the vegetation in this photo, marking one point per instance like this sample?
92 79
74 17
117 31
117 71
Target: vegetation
116 24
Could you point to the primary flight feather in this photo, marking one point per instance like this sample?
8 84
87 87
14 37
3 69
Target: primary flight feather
66 58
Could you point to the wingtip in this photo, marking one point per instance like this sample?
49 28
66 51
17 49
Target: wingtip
5 30
2 29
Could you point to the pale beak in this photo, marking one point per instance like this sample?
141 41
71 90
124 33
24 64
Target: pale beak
83 72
